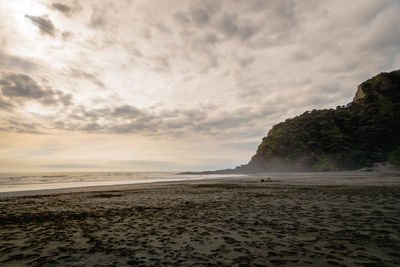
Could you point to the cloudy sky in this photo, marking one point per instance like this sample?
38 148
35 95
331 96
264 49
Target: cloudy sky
132 85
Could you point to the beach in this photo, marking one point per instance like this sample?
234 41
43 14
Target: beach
225 222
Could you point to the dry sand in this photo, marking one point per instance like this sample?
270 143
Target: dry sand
231 223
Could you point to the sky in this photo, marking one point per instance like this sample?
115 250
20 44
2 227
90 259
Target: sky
149 85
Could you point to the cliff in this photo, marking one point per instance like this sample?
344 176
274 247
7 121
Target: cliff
354 136
364 131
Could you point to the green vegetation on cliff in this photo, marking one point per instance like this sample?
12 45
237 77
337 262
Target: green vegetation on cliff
365 131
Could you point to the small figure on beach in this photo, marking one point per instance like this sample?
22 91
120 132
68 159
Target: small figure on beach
263 180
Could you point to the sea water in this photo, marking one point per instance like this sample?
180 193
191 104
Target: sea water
13 182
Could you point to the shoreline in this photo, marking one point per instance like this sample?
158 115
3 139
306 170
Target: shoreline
101 188
283 178
90 186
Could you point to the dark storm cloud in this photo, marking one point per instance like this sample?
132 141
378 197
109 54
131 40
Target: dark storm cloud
283 8
133 127
67 8
12 62
275 24
21 87
181 18
65 99
244 62
247 30
97 20
228 24
163 28
200 16
121 120
215 25
200 13
19 125
80 74
126 111
44 24
127 119
210 38
62 8
5 104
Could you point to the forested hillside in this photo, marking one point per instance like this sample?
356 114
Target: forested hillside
365 131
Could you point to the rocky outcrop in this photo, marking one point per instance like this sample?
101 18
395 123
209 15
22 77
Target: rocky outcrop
359 94
348 137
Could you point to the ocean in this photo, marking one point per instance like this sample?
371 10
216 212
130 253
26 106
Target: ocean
13 182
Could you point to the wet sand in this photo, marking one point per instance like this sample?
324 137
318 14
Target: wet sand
225 222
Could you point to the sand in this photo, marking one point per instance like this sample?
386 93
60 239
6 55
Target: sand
224 223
